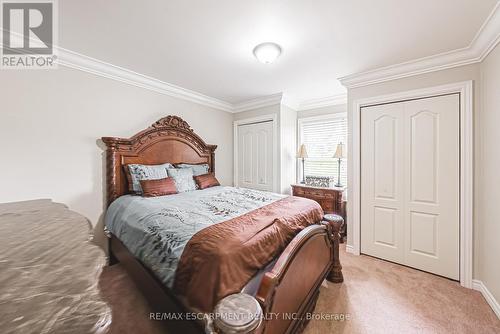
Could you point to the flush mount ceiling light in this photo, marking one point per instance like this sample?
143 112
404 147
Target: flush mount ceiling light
267 53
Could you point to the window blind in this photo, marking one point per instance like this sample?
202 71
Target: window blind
321 137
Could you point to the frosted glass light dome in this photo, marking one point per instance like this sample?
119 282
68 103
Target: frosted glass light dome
267 53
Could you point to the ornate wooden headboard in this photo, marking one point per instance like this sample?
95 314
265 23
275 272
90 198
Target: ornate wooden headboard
170 139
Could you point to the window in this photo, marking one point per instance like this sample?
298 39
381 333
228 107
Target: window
321 136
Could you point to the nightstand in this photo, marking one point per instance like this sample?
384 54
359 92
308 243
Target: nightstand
330 199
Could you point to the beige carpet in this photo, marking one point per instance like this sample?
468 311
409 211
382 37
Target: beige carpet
376 297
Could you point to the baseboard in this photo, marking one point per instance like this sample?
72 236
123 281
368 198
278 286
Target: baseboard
479 286
349 249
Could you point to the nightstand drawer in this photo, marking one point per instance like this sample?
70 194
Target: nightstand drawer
316 193
298 191
330 199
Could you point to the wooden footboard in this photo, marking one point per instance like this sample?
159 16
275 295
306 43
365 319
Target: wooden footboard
287 293
290 290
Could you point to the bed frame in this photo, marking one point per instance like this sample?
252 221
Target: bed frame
292 286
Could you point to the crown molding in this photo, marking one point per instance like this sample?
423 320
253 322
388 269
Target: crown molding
287 100
260 102
87 64
94 66
75 60
485 40
98 67
488 35
78 61
290 102
321 102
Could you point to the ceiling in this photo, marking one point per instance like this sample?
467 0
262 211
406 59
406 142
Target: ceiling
206 46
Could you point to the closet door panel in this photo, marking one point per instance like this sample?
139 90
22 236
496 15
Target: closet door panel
432 205
255 156
381 188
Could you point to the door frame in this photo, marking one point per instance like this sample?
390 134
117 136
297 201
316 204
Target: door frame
465 90
257 119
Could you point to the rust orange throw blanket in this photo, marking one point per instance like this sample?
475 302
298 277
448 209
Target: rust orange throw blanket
220 259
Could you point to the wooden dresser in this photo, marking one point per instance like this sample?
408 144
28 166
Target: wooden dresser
330 199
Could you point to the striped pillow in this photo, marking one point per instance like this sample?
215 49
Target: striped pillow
160 187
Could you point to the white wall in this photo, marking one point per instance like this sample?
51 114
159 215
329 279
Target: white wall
288 136
50 123
488 182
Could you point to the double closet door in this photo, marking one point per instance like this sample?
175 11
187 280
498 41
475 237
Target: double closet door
256 156
410 183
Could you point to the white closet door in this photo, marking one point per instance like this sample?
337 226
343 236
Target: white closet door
410 183
382 174
255 156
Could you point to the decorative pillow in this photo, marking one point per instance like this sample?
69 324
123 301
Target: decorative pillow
183 178
139 172
206 181
197 169
160 187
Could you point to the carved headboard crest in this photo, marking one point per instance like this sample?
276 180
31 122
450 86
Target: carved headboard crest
172 122
169 139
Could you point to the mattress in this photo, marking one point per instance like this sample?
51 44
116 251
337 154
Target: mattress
156 229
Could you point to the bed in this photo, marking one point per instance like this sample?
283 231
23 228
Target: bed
131 219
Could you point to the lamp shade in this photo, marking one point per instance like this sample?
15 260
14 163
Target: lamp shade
302 153
340 152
